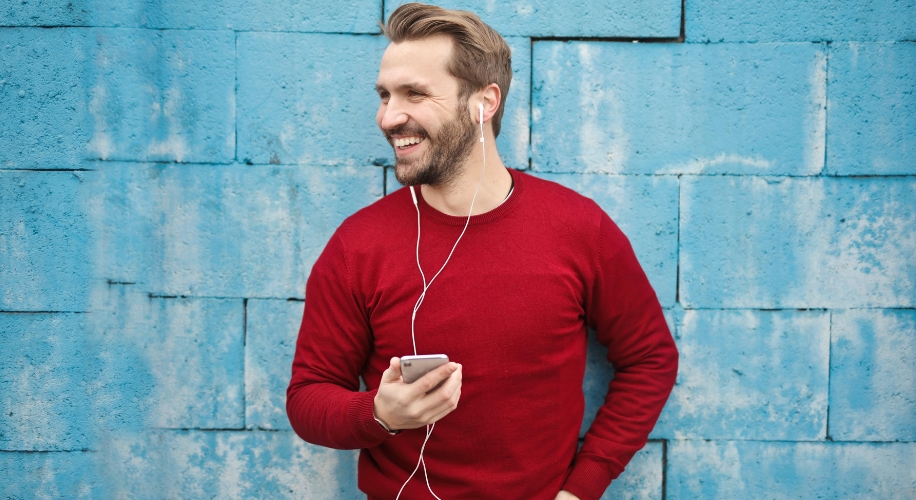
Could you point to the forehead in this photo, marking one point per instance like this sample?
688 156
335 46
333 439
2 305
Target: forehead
422 61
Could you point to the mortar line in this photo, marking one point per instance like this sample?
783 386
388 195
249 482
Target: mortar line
530 101
208 30
47 170
683 36
677 272
245 363
820 442
827 435
235 101
664 469
826 100
79 450
43 312
618 39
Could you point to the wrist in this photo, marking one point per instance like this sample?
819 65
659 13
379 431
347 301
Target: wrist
387 429
385 426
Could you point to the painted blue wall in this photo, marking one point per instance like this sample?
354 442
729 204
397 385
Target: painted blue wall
170 170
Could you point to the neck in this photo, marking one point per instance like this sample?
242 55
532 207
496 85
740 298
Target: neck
455 198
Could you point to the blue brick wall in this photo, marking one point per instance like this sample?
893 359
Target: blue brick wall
170 170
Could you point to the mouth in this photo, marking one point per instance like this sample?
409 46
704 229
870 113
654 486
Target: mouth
406 144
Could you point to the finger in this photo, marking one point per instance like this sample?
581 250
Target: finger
431 379
443 410
393 372
445 396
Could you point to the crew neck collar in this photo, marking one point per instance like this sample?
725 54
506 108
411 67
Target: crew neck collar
452 220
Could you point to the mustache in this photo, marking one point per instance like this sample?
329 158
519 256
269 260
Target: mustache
406 129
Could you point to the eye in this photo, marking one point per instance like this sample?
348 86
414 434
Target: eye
383 96
413 94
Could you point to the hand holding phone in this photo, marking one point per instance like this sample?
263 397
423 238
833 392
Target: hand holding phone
432 394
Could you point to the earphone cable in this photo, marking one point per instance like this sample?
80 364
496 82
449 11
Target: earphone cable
416 307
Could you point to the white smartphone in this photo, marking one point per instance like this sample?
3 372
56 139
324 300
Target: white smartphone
414 367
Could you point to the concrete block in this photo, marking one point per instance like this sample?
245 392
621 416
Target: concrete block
748 469
799 21
676 108
872 108
646 210
45 368
43 96
599 373
749 375
797 243
162 95
310 99
48 475
232 465
872 375
168 362
45 241
244 15
222 231
271 333
653 18
642 478
514 136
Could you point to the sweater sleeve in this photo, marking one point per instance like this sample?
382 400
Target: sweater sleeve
624 311
323 401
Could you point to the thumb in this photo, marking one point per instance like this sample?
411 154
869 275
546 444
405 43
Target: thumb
393 373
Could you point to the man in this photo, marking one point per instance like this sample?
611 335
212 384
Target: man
510 304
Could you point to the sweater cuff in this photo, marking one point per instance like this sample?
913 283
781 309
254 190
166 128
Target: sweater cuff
362 420
588 479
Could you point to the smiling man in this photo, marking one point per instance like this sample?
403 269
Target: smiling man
501 271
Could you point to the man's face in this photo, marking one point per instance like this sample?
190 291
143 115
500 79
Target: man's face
420 112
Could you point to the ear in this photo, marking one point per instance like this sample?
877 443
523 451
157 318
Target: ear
490 97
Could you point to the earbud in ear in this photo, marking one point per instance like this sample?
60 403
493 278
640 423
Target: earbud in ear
480 107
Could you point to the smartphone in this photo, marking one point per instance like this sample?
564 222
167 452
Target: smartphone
414 367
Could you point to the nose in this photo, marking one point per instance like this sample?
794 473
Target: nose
391 115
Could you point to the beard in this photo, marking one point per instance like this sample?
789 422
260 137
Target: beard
446 151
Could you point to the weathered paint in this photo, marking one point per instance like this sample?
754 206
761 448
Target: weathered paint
765 242
749 375
45 241
651 18
747 469
872 108
201 230
873 376
271 332
800 21
755 109
310 99
46 369
358 16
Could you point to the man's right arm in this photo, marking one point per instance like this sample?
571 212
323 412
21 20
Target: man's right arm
323 401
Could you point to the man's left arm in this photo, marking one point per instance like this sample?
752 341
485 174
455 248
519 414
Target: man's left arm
624 311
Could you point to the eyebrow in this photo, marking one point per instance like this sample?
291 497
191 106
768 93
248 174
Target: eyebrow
379 88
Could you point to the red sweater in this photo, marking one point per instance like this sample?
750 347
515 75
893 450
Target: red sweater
513 307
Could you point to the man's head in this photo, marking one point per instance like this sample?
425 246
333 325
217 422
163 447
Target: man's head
437 62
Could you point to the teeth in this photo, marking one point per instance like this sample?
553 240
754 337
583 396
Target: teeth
407 141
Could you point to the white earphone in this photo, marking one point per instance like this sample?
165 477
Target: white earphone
413 317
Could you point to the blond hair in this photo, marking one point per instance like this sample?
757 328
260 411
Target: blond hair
480 56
